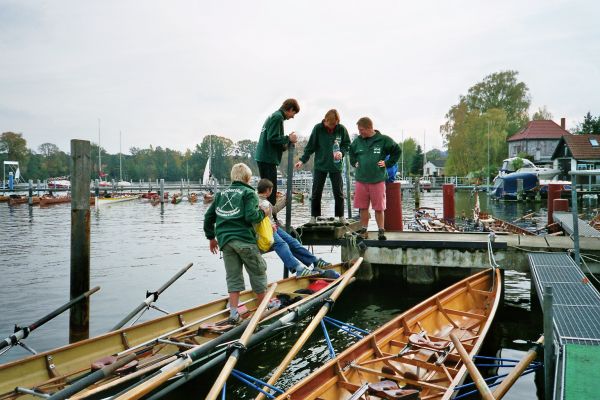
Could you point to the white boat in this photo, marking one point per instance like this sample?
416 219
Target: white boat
122 184
116 199
543 173
59 183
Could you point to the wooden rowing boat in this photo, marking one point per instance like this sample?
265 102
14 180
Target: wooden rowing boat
117 199
495 224
413 352
13 201
154 341
4 198
46 201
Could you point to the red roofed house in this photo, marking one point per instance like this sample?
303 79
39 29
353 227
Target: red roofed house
577 152
538 139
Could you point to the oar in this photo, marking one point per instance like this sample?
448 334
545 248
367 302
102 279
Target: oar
22 333
483 388
519 368
165 373
92 378
232 360
152 297
312 326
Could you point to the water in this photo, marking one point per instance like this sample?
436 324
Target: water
136 248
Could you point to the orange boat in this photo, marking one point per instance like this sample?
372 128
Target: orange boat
13 201
208 197
48 201
412 356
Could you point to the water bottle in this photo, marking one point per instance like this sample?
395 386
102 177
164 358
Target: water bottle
336 148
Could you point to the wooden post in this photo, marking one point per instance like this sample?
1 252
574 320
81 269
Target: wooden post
548 342
81 169
348 184
520 193
38 187
30 193
162 191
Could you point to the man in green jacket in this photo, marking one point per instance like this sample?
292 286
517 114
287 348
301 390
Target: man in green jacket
273 142
368 153
329 141
228 223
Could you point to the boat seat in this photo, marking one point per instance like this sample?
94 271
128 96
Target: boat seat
420 341
389 390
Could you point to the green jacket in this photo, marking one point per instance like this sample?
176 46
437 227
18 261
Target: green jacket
321 143
367 152
233 212
272 141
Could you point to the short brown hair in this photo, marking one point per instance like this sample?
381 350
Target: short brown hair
365 122
332 115
291 104
264 185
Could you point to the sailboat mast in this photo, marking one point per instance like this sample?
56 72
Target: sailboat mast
99 152
424 154
402 154
120 164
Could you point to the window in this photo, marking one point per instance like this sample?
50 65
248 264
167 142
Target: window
594 142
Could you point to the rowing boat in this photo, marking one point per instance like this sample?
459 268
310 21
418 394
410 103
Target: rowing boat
412 355
13 201
117 199
46 201
154 342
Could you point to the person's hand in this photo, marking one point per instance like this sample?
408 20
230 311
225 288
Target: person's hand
337 155
299 165
213 246
293 137
381 163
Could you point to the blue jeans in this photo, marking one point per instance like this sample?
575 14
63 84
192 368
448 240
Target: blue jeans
290 250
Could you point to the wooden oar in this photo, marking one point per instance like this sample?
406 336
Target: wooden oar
507 383
232 360
311 327
165 373
482 386
151 297
22 333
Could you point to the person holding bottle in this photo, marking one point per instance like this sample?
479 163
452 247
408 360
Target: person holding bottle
329 141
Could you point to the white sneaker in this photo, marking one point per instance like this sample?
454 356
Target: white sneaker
312 220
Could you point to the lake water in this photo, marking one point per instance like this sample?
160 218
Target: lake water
135 247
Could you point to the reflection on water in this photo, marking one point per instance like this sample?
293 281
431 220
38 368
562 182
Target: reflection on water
136 248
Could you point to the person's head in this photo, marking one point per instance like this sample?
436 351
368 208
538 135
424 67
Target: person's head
241 172
332 118
265 187
365 127
290 108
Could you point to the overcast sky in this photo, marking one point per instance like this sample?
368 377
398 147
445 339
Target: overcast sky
170 72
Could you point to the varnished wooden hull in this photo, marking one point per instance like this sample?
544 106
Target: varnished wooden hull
466 308
75 360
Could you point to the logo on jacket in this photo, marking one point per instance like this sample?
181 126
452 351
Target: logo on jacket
376 150
228 208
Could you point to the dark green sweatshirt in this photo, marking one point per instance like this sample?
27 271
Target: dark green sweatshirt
233 212
272 141
367 152
321 143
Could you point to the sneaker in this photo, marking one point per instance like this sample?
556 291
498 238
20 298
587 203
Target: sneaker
381 235
234 319
342 220
302 271
328 274
363 233
320 264
312 220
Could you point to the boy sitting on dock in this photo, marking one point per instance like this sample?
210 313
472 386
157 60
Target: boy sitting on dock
287 248
229 223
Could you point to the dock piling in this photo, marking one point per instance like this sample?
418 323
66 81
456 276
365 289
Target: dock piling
449 209
548 342
81 169
162 191
38 187
30 192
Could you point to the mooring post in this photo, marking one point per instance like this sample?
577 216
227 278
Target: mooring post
417 190
288 199
140 186
181 187
30 193
520 194
38 187
162 191
548 342
348 186
96 192
81 169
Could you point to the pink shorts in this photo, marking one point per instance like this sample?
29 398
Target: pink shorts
370 192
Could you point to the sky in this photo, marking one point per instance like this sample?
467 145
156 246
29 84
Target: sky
168 73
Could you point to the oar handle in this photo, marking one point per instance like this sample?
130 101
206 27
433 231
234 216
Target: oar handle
151 298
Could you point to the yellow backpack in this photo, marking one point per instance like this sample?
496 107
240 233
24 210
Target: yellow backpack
264 235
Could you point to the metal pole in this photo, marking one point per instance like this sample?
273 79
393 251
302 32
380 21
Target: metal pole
81 169
348 184
575 217
548 342
30 192
162 191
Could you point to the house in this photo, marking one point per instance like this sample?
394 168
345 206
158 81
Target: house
434 168
577 152
538 139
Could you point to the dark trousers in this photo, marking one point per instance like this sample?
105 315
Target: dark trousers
269 171
317 192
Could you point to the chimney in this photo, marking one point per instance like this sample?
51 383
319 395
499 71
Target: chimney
562 122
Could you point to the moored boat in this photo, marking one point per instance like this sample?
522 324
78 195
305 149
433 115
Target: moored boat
117 199
208 197
16 200
412 355
50 200
192 197
155 342
176 199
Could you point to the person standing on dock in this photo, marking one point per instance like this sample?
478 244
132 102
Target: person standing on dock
273 142
228 223
329 141
369 155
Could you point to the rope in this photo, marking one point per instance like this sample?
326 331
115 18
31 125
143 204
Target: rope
586 267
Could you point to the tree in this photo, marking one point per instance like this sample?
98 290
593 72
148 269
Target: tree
14 146
48 149
434 154
541 114
590 125
416 167
409 150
